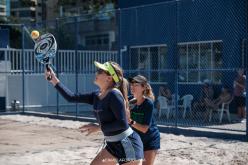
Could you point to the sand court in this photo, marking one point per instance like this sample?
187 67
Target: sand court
26 140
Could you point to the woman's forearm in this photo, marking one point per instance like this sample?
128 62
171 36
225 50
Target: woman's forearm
141 127
54 81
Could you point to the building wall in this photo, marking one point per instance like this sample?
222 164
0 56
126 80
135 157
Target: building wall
2 8
46 10
8 7
185 21
25 14
215 20
51 13
4 38
47 94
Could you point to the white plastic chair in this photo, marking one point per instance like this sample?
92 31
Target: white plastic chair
164 106
174 99
187 100
224 108
173 102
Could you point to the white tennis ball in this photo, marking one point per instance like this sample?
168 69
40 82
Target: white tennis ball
35 34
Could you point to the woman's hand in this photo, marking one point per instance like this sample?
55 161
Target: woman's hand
54 80
89 128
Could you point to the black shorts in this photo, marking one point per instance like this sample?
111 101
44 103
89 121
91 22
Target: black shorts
239 101
126 150
153 143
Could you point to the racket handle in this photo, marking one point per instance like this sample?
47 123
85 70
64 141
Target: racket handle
49 78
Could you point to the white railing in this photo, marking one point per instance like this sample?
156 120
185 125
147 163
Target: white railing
86 59
65 60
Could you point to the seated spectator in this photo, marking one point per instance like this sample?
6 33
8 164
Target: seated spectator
239 94
224 96
164 91
207 92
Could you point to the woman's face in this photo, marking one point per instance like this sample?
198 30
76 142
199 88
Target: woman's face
137 89
241 72
102 78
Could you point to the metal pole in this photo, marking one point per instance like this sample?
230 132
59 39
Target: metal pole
246 69
58 68
23 70
76 58
176 64
120 50
246 89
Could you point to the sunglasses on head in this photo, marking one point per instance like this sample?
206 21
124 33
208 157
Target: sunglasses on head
101 71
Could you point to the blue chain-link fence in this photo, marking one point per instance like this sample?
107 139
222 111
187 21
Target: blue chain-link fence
190 51
81 40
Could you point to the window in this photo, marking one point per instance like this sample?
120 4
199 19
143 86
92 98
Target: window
148 61
26 13
97 41
200 61
2 2
2 10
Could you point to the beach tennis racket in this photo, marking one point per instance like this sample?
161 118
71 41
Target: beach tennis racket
45 49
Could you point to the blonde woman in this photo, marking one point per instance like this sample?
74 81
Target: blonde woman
142 118
123 145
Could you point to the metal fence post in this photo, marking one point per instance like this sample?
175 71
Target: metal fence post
246 70
176 64
119 29
57 70
76 58
246 89
23 70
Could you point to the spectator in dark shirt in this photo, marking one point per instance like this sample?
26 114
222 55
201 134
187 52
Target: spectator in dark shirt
224 97
207 92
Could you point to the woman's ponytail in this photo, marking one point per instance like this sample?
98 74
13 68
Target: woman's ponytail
148 92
